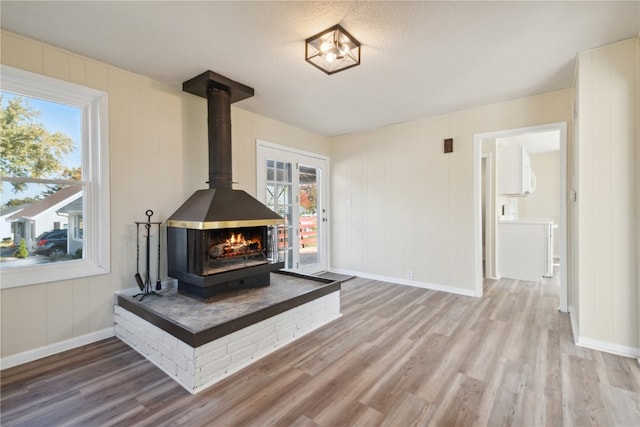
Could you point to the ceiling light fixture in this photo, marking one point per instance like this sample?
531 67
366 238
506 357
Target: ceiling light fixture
332 50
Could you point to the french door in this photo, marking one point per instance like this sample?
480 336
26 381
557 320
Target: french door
293 184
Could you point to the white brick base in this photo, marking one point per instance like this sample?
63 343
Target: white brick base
200 367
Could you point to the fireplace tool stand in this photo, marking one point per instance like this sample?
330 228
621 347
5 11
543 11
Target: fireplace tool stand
145 285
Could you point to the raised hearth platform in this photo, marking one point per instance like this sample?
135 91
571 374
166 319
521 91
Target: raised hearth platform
199 343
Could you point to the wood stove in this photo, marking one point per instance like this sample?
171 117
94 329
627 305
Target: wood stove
221 239
209 262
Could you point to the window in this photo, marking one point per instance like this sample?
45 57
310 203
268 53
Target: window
54 222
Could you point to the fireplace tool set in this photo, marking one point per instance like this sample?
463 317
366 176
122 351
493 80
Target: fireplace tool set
146 287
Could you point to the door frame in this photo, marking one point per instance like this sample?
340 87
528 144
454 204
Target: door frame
487 214
262 148
477 202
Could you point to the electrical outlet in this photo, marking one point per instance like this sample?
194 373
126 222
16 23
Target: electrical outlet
409 275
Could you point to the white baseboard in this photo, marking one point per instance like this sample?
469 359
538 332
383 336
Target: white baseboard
51 349
574 323
416 284
605 346
609 347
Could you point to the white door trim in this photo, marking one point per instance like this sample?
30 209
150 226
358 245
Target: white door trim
489 267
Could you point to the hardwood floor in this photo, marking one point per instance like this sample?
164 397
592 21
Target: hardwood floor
399 356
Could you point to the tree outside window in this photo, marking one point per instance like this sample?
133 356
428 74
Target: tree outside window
39 158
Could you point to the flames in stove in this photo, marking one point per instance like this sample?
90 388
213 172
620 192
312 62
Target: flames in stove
229 249
234 246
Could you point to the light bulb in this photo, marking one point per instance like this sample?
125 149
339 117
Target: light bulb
331 56
325 46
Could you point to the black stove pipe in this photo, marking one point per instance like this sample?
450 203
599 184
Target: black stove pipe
220 92
219 121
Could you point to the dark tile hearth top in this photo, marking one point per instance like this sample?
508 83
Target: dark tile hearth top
196 323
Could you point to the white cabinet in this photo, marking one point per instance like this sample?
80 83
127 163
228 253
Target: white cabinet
515 177
525 249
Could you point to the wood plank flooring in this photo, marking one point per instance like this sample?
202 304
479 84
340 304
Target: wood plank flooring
399 356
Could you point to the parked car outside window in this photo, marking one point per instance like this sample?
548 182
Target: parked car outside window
51 243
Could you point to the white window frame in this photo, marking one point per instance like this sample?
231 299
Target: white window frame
95 177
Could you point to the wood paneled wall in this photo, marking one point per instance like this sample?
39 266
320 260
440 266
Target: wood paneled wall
607 146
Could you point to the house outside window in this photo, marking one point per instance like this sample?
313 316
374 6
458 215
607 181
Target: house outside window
55 183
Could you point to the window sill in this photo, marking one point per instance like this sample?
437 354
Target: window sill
50 272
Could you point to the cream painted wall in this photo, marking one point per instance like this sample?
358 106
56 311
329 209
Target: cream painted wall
400 204
607 197
158 158
545 201
638 185
638 181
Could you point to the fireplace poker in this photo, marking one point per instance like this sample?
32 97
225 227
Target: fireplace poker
158 281
137 275
147 279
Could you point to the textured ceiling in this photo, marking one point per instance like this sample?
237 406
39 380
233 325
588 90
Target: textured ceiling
419 59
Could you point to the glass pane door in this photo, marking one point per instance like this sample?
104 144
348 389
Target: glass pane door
309 217
292 185
279 198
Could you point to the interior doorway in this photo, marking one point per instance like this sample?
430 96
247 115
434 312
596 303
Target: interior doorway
293 183
486 216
